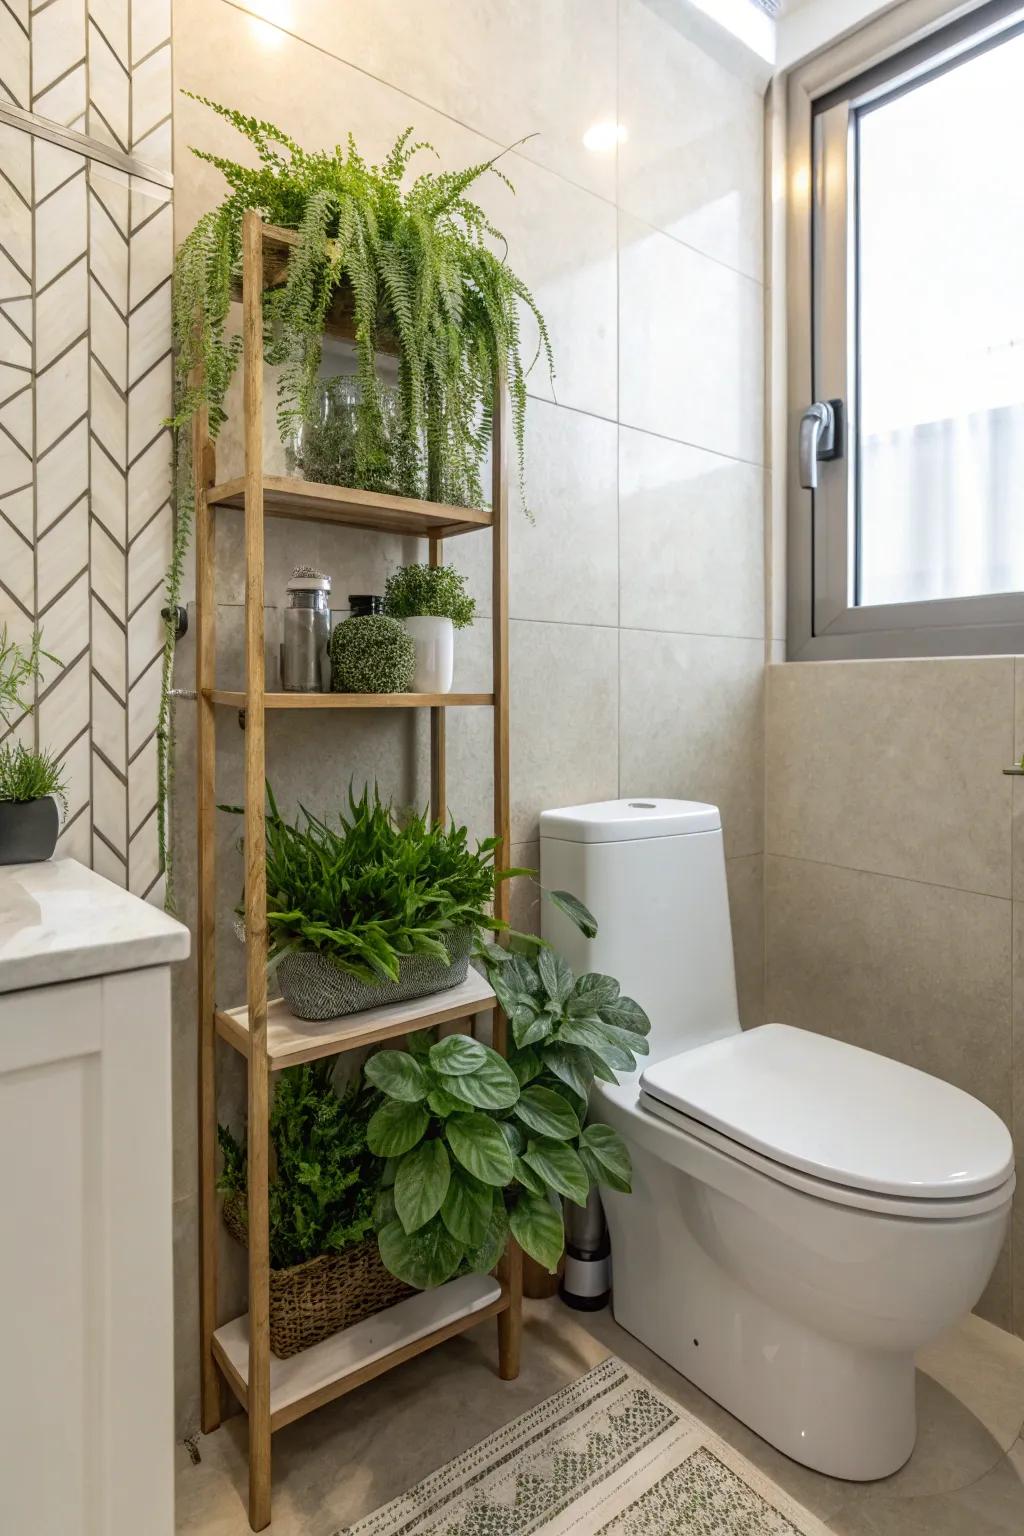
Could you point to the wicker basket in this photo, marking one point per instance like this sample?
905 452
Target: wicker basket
314 988
310 1301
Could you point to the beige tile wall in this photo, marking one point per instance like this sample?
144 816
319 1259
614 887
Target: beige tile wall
893 884
637 598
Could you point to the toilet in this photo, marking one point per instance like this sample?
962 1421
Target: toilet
805 1214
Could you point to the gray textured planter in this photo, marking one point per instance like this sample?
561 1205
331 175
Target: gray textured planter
28 830
315 989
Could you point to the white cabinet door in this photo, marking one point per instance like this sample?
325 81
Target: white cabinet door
86 1306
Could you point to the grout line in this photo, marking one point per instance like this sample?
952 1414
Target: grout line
881 874
628 426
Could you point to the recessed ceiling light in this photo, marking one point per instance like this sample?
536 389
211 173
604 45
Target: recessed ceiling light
604 136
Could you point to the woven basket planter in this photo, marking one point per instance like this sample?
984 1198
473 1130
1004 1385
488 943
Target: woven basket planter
310 1301
314 988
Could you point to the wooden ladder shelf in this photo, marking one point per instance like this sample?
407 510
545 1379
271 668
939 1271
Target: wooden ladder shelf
274 1392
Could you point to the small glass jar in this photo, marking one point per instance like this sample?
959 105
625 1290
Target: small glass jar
306 631
363 605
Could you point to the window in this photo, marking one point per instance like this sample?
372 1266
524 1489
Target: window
911 420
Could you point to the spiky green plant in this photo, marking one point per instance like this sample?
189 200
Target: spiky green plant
26 775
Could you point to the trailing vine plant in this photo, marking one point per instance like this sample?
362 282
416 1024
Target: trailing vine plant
413 259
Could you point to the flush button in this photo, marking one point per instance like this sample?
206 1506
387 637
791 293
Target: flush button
642 805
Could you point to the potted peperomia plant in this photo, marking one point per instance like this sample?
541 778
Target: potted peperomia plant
479 1146
32 783
375 910
432 603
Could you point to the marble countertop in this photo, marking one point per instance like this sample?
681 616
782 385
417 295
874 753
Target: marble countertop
60 922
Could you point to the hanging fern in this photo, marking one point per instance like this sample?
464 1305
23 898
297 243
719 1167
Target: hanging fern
413 261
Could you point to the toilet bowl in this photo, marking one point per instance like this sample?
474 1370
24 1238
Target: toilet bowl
804 1214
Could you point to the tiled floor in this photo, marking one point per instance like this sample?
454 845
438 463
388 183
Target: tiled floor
965 1478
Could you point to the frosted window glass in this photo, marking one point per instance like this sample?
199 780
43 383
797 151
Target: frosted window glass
940 248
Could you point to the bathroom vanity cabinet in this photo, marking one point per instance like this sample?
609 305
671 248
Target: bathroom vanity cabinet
86 1303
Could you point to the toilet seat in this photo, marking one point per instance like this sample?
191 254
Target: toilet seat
835 1120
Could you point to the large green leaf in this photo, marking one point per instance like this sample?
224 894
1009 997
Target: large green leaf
556 975
625 1014
530 1180
537 1228
490 1249
592 1037
396 1128
575 911
466 1211
605 1156
456 1055
572 1065
421 1184
635 1044
441 1102
513 1135
479 1146
492 1085
547 1113
424 1258
397 1074
528 1026
526 1065
384 1211
590 993
560 1167
522 972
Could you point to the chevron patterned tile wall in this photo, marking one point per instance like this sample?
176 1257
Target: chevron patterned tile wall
85 384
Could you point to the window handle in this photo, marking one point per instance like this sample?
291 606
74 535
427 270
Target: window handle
821 434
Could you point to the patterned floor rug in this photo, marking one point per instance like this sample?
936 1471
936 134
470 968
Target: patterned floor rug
609 1455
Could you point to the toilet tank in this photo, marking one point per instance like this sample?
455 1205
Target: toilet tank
653 874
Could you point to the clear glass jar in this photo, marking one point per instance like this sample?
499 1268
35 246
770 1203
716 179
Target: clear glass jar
324 447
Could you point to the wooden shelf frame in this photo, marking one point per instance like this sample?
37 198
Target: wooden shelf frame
233 699
264 1033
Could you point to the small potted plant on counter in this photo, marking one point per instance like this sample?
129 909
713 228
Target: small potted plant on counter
31 783
374 911
479 1146
432 603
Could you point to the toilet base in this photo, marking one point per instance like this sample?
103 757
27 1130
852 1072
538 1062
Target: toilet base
839 1409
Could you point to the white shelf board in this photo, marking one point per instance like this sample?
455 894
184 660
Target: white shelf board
291 1040
314 1371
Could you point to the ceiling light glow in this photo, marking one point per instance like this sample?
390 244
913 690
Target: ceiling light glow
602 137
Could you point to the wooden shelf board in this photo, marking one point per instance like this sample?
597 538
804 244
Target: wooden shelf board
356 1355
236 700
286 496
291 1040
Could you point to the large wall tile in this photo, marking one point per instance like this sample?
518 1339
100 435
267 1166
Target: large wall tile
1016 783
917 972
545 68
564 719
692 539
894 766
695 170
691 726
691 345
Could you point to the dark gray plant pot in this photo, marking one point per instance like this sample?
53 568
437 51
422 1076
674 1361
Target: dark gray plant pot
28 830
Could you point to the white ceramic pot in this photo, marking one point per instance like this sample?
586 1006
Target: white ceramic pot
435 653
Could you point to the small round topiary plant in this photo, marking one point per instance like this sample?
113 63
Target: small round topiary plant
372 654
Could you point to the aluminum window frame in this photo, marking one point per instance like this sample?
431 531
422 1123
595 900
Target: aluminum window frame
908 46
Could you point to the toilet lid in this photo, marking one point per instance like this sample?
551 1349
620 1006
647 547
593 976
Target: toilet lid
842 1114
